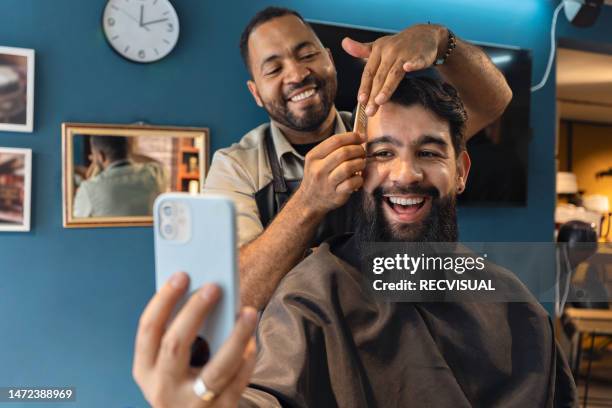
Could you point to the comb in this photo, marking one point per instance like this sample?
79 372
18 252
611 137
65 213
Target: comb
361 120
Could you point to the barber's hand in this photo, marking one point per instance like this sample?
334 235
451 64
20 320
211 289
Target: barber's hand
161 358
390 57
331 172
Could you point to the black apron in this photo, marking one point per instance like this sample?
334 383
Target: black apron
271 198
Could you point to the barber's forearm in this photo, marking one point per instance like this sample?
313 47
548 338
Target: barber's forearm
482 87
266 260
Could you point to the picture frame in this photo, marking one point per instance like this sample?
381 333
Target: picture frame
15 189
16 89
182 153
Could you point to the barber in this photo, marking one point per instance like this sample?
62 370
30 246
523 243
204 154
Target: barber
289 178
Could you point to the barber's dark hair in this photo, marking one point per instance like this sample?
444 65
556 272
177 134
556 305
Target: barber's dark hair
114 147
439 97
258 19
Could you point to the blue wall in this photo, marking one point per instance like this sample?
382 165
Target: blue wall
70 299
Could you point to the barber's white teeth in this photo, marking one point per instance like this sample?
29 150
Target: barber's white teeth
406 201
303 95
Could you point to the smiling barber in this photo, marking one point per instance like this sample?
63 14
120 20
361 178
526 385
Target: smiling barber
289 178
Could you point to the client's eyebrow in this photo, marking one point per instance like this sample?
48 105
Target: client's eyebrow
385 139
431 139
423 140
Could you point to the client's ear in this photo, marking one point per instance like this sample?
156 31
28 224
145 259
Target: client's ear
463 169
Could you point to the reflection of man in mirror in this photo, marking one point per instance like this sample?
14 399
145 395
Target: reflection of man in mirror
121 187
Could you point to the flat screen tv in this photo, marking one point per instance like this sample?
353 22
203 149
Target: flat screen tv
499 152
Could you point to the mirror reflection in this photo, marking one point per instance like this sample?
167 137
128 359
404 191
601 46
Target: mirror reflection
116 174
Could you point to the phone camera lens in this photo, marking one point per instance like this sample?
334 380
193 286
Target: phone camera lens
168 230
167 210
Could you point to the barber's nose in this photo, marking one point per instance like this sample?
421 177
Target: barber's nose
405 172
296 72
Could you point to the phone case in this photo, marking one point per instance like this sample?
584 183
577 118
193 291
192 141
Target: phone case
196 234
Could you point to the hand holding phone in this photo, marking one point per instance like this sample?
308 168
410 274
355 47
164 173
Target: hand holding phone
162 351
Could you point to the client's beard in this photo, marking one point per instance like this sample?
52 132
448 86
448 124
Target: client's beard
440 225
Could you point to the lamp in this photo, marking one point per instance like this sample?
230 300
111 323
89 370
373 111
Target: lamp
566 183
597 202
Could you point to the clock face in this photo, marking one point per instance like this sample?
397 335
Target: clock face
141 30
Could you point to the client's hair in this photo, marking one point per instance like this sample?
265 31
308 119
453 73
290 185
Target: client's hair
440 98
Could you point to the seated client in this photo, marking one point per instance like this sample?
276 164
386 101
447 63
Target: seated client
324 341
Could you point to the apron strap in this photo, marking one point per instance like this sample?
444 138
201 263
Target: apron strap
280 186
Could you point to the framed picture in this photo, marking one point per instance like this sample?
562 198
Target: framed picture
15 189
113 173
16 89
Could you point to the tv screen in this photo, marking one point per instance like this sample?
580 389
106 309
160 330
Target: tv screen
499 152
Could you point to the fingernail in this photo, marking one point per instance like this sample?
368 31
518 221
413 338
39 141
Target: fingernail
249 315
407 66
370 110
179 279
380 98
362 97
208 292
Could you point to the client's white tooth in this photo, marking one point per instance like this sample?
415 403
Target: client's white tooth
406 201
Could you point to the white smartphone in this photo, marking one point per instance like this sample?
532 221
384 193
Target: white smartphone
196 234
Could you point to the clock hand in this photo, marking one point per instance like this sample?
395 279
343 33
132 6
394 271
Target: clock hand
141 14
131 17
154 22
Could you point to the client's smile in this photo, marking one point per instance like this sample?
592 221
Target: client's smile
406 208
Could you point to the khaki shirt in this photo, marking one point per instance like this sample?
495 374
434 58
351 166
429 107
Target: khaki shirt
241 170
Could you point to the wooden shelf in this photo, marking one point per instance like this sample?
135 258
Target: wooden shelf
186 153
190 149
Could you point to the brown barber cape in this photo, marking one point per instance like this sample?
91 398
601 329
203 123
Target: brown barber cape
325 342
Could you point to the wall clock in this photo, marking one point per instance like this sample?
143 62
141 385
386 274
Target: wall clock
141 30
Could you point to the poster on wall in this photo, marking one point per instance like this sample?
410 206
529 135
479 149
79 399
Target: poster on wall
16 89
15 189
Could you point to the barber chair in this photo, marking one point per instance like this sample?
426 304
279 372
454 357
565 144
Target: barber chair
580 244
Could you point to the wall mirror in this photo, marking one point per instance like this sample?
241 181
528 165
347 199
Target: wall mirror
113 173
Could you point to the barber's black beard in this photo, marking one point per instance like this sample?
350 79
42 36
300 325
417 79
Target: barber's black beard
313 118
440 225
